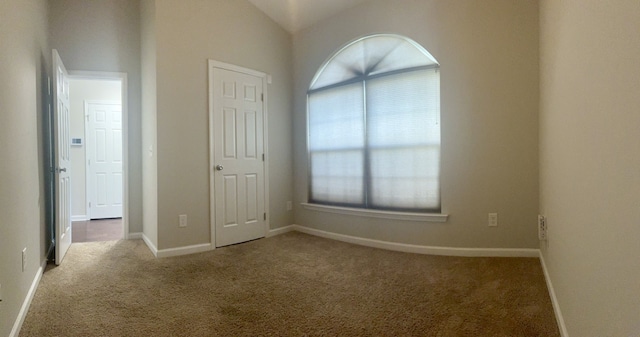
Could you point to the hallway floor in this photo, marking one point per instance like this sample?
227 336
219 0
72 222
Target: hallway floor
97 230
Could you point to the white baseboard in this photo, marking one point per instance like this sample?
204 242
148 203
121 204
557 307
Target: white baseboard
204 247
150 244
554 300
281 230
431 250
401 247
17 325
134 236
79 217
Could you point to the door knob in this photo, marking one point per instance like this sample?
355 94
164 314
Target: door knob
63 169
219 167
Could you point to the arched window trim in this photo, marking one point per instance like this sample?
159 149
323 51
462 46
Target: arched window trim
433 63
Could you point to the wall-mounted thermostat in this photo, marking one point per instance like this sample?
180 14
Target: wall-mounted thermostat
76 141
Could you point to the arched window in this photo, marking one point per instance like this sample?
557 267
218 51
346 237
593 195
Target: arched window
374 127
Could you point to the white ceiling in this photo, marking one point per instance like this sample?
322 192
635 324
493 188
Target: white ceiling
294 15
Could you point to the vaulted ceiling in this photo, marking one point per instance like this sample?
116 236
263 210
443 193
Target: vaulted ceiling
294 15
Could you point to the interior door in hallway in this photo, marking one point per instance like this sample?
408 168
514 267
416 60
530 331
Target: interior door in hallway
62 146
238 156
104 159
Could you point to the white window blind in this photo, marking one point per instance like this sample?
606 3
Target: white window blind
403 133
336 144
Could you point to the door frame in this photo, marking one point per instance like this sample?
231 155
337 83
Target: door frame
87 185
265 126
122 77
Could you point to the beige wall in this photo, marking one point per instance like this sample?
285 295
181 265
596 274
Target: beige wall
105 36
24 62
590 162
188 33
80 91
588 127
149 121
488 51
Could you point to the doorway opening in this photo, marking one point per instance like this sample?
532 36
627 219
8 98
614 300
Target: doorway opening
98 156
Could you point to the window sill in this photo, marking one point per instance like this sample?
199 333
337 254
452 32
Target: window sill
428 217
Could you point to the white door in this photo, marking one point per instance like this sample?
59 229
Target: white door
104 160
62 146
238 156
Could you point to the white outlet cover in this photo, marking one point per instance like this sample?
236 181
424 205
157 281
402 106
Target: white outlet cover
542 228
183 220
493 219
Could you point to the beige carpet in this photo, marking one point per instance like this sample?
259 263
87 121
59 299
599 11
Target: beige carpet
289 285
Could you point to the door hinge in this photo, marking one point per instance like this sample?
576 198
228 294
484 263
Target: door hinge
262 97
263 157
265 216
89 204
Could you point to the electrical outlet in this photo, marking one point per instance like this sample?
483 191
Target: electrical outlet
493 219
183 220
24 259
542 228
289 205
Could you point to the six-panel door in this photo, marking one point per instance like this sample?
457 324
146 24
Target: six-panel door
238 157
